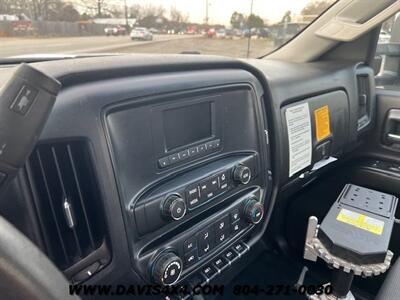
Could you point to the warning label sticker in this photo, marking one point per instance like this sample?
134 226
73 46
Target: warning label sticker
299 135
361 221
322 123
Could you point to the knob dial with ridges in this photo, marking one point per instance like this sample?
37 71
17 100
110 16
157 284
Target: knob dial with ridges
167 269
253 211
174 207
242 174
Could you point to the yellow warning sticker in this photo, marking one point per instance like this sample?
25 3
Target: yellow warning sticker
322 122
361 221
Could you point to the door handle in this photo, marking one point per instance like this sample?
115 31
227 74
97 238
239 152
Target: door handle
391 133
393 138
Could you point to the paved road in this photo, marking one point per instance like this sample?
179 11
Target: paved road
225 47
73 45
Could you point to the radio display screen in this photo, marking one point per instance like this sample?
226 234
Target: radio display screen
188 124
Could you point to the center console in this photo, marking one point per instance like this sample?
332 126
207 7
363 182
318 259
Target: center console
191 169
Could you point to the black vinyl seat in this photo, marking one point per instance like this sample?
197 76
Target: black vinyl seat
390 287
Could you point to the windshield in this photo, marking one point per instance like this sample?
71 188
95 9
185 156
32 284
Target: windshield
235 28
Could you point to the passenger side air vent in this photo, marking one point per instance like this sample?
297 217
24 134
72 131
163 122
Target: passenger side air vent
67 199
365 99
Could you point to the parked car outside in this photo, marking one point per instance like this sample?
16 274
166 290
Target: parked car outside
237 33
191 30
263 33
116 30
211 32
285 32
220 34
246 33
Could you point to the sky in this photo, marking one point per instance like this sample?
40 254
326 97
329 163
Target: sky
220 11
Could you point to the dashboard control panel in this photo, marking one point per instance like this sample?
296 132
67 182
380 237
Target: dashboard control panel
199 193
220 264
183 195
189 250
191 168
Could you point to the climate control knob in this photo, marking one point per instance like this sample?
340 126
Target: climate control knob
174 207
242 174
253 211
167 269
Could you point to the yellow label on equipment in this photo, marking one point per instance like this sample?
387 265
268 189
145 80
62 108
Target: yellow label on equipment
361 221
322 123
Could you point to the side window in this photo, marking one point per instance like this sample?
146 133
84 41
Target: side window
387 58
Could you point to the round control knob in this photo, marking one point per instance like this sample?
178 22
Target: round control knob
167 269
174 207
242 174
253 211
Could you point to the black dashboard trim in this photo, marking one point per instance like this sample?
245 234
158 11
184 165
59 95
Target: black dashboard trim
275 83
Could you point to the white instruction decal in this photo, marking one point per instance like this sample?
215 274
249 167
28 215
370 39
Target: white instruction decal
299 134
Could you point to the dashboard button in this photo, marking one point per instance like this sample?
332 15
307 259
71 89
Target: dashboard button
163 162
210 195
224 186
223 181
193 151
210 145
223 178
205 241
193 203
201 148
222 230
222 225
216 143
221 263
236 227
235 215
240 248
184 154
209 271
189 244
204 248
192 196
206 234
192 191
214 184
209 188
230 255
205 189
173 158
221 237
24 100
191 258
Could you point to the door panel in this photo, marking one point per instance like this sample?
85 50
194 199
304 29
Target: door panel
381 170
380 145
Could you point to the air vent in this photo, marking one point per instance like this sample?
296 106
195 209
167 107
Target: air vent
67 199
364 101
